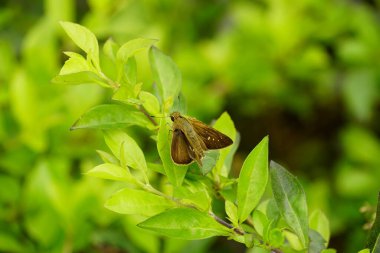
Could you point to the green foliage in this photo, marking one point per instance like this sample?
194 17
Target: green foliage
306 73
183 209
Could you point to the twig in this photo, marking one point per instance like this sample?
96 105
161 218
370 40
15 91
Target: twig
142 109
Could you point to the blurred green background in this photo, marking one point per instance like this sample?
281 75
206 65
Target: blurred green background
307 73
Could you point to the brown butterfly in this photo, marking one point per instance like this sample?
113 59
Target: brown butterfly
192 137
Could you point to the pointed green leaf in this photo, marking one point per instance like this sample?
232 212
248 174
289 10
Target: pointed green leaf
291 201
132 201
319 222
185 223
166 74
225 125
112 117
83 77
199 197
110 49
334 251
84 39
253 179
131 47
118 141
111 171
231 211
362 251
175 173
76 63
107 157
150 102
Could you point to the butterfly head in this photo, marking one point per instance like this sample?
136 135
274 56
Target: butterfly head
175 115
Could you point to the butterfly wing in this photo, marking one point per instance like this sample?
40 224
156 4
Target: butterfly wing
180 149
210 136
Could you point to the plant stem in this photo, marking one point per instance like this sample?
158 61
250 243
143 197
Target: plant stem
142 109
226 224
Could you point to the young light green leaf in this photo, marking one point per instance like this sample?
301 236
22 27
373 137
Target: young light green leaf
131 47
132 201
293 240
84 39
112 116
84 77
231 211
334 251
175 173
291 201
319 222
107 157
76 63
260 221
253 179
166 74
185 223
225 125
150 102
199 197
118 141
112 172
362 251
110 49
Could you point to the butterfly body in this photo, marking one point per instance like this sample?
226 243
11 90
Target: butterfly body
191 138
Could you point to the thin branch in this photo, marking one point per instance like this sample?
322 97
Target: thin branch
226 224
142 109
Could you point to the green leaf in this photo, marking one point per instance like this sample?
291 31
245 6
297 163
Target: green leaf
294 241
76 63
319 222
111 171
124 146
132 201
83 77
175 173
112 117
198 197
276 238
131 47
225 125
209 161
362 251
110 49
376 247
253 179
291 201
317 243
231 211
84 39
107 157
375 230
260 221
166 74
334 251
185 223
150 102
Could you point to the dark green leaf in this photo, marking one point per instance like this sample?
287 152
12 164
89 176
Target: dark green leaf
317 243
376 247
112 117
132 201
291 201
209 161
253 179
185 223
